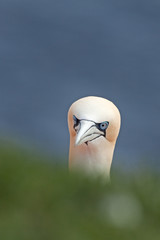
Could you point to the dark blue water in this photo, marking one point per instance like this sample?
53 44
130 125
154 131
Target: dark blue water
54 52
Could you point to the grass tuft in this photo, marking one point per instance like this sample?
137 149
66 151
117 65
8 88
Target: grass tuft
41 200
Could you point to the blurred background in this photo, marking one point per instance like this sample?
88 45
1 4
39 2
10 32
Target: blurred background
54 52
51 54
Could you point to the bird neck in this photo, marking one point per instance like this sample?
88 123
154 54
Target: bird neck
94 158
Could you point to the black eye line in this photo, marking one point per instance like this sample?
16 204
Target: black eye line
97 124
77 121
90 120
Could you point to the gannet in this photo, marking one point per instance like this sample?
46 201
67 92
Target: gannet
94 124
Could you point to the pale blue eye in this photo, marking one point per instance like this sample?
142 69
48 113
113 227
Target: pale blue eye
103 125
75 120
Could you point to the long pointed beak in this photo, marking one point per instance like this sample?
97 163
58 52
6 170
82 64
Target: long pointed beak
87 132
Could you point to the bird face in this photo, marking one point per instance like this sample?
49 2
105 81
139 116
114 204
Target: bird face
94 125
91 119
88 130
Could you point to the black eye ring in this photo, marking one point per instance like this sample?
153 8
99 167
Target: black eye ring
103 126
76 121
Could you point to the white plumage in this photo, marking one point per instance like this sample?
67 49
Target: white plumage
94 125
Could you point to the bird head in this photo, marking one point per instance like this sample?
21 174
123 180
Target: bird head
94 124
91 118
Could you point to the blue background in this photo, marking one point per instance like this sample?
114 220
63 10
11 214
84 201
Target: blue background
54 52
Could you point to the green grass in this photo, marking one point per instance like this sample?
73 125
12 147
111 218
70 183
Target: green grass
41 200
